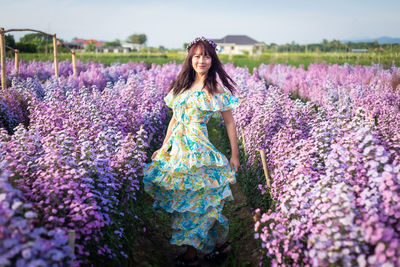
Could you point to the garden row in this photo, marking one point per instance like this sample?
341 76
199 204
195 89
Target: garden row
331 136
72 155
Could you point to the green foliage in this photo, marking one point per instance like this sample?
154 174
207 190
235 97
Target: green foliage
90 47
34 38
10 41
162 48
116 42
26 47
331 46
250 177
37 42
137 38
251 62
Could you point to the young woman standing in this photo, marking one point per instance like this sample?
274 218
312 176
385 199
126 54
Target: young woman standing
188 177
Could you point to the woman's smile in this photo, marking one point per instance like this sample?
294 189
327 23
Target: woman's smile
201 62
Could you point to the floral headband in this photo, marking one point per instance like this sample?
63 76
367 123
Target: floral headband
198 39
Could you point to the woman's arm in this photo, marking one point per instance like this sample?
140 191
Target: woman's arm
231 129
167 136
169 130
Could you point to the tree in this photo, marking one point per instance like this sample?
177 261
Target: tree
325 45
116 42
90 47
137 38
10 41
34 38
26 47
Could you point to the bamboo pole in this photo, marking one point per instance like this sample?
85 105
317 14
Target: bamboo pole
243 140
74 63
256 216
55 55
16 58
71 240
264 163
3 59
150 137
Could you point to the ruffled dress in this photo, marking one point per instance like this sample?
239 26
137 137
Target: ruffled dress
189 177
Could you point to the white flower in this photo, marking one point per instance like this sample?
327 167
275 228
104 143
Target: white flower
16 204
361 261
27 253
30 215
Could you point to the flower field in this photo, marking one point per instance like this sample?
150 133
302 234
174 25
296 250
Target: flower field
78 162
331 136
73 149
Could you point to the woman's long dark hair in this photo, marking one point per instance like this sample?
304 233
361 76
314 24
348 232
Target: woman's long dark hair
187 74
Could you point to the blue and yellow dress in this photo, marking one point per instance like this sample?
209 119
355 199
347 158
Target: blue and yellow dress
189 177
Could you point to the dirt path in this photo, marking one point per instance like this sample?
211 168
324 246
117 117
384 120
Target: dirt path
153 248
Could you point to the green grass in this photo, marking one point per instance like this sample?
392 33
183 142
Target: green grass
290 58
239 231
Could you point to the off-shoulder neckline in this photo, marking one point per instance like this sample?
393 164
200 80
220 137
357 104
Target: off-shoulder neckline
203 91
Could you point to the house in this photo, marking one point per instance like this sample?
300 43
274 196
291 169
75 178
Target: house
359 50
132 46
115 49
81 44
238 44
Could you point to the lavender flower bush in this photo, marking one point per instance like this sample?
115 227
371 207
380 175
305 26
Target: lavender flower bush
75 148
80 159
333 161
23 244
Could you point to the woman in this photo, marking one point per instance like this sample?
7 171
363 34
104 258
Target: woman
188 176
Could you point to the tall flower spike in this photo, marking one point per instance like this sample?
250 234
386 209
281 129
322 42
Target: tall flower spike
202 38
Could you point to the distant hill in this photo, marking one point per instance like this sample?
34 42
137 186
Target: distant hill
381 40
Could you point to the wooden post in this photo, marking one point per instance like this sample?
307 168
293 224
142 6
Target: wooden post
16 58
256 216
71 240
55 55
264 163
3 59
243 140
74 63
150 137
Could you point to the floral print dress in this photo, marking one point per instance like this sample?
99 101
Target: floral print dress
189 177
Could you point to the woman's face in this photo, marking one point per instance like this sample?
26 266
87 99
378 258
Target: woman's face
200 61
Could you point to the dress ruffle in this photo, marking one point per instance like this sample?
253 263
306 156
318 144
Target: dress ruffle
200 231
193 156
187 200
199 178
218 102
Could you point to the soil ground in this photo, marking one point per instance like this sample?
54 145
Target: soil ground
152 247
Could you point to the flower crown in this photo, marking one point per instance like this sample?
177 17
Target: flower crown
198 39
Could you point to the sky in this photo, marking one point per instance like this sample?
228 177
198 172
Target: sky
171 23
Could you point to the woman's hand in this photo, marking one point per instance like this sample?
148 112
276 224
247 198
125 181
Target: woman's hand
155 153
235 164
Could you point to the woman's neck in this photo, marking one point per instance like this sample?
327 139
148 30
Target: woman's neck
200 78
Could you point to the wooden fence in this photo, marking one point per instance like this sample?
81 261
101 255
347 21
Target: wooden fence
16 54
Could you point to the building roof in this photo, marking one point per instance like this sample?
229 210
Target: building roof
96 43
236 39
86 42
